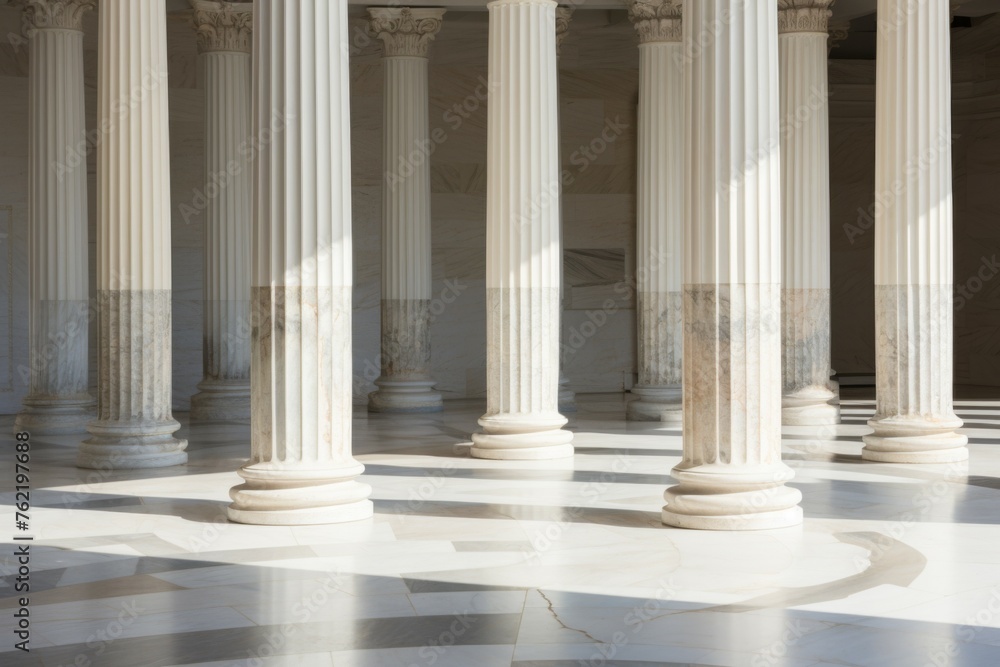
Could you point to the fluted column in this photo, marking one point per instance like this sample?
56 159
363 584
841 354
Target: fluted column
301 470
660 211
914 420
567 398
405 384
57 400
134 426
224 39
808 396
731 476
522 420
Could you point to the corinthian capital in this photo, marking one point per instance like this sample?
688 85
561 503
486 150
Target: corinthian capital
42 14
404 31
223 26
656 20
803 15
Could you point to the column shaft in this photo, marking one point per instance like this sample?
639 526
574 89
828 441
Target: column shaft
57 400
731 476
406 384
301 470
134 426
522 238
660 211
914 420
224 35
808 396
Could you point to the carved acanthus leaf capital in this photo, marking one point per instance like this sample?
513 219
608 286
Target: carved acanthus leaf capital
57 14
223 26
404 31
656 20
804 15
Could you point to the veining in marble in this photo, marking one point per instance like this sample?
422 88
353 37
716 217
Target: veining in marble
405 384
59 400
521 417
732 476
300 470
915 422
808 396
135 424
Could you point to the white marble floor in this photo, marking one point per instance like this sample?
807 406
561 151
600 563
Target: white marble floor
473 562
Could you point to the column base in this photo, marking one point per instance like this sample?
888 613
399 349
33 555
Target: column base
732 497
522 437
656 404
219 400
56 415
404 396
277 496
810 407
915 440
129 445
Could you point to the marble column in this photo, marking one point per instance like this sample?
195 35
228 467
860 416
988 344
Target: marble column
522 238
301 470
567 398
731 475
57 400
808 396
134 426
914 419
660 211
224 40
405 384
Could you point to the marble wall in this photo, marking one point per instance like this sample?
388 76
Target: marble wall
598 88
